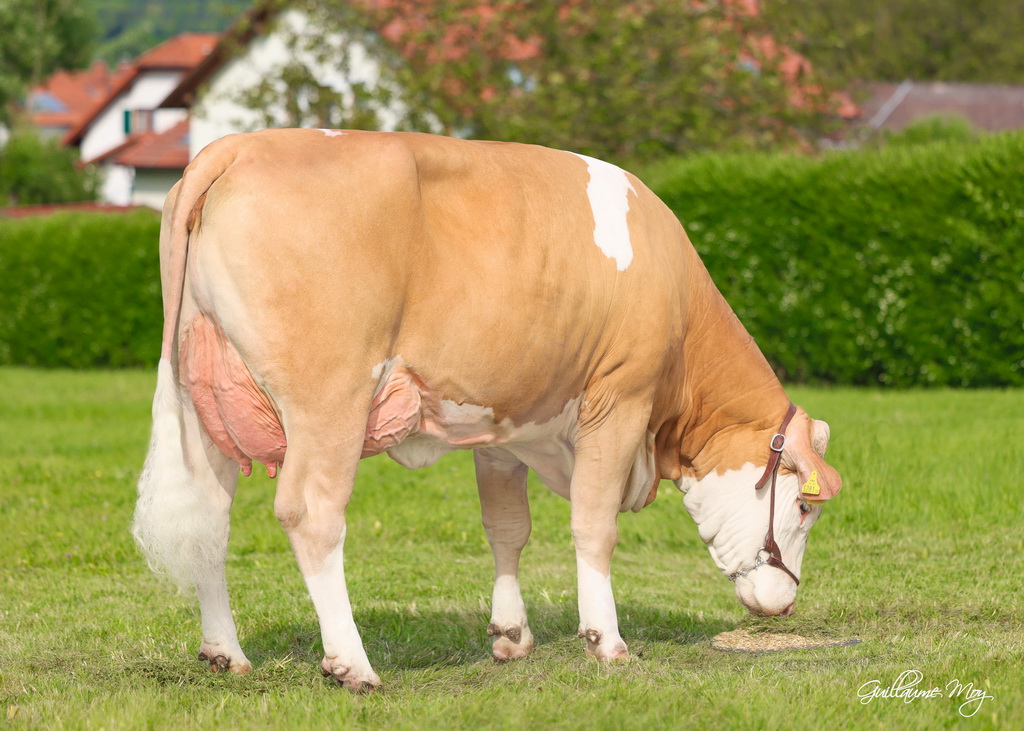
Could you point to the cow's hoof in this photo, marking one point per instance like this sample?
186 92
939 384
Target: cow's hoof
510 642
347 679
222 662
605 649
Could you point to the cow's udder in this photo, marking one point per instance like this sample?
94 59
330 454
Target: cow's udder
233 410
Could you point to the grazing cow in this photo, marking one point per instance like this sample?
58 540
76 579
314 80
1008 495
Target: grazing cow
332 295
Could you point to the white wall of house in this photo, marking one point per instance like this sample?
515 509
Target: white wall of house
117 184
218 111
151 186
146 92
164 119
107 131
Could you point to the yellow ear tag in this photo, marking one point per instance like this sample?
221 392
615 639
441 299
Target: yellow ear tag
811 487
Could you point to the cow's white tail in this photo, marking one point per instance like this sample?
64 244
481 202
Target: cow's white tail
174 524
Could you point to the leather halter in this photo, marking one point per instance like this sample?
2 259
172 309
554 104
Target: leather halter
772 470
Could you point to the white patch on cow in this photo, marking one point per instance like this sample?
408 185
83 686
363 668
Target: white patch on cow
597 604
219 634
507 607
342 644
547 447
684 483
608 190
732 519
464 423
415 452
382 370
332 132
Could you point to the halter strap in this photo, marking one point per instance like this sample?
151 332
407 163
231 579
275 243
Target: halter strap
772 470
777 444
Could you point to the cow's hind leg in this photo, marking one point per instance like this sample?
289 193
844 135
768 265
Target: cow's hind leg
182 517
313 492
501 480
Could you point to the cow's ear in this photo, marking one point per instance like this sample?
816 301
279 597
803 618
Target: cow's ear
819 436
818 481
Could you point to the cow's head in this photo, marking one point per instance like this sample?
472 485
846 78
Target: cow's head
732 517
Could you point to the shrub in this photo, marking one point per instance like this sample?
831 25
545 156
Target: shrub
901 266
34 170
938 128
80 290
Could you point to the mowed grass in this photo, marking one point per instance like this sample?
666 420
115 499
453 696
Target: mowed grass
920 558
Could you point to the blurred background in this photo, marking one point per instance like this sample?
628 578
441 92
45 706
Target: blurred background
848 170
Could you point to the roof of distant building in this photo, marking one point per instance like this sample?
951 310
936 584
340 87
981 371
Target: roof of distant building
68 96
155 151
893 106
184 51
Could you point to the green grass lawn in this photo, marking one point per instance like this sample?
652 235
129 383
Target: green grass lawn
919 557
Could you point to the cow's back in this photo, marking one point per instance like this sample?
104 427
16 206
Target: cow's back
517 284
475 264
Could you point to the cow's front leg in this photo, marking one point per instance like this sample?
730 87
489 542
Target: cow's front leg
313 492
501 481
603 461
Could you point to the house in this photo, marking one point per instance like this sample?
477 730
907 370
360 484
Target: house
129 115
142 124
263 41
155 160
67 98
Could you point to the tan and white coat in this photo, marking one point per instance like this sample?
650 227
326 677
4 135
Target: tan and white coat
332 295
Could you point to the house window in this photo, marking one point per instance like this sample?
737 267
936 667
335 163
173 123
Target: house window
137 121
44 101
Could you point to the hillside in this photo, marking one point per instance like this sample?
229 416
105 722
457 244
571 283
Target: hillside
129 27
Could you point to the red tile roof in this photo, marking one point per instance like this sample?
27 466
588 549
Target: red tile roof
68 96
250 24
164 151
181 52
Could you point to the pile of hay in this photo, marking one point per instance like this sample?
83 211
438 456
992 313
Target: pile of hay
742 640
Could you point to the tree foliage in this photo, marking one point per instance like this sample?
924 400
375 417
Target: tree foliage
616 80
941 40
39 37
34 170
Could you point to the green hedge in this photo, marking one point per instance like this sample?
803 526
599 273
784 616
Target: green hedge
902 266
80 290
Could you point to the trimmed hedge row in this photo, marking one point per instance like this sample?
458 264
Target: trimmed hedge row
899 267
902 266
80 290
